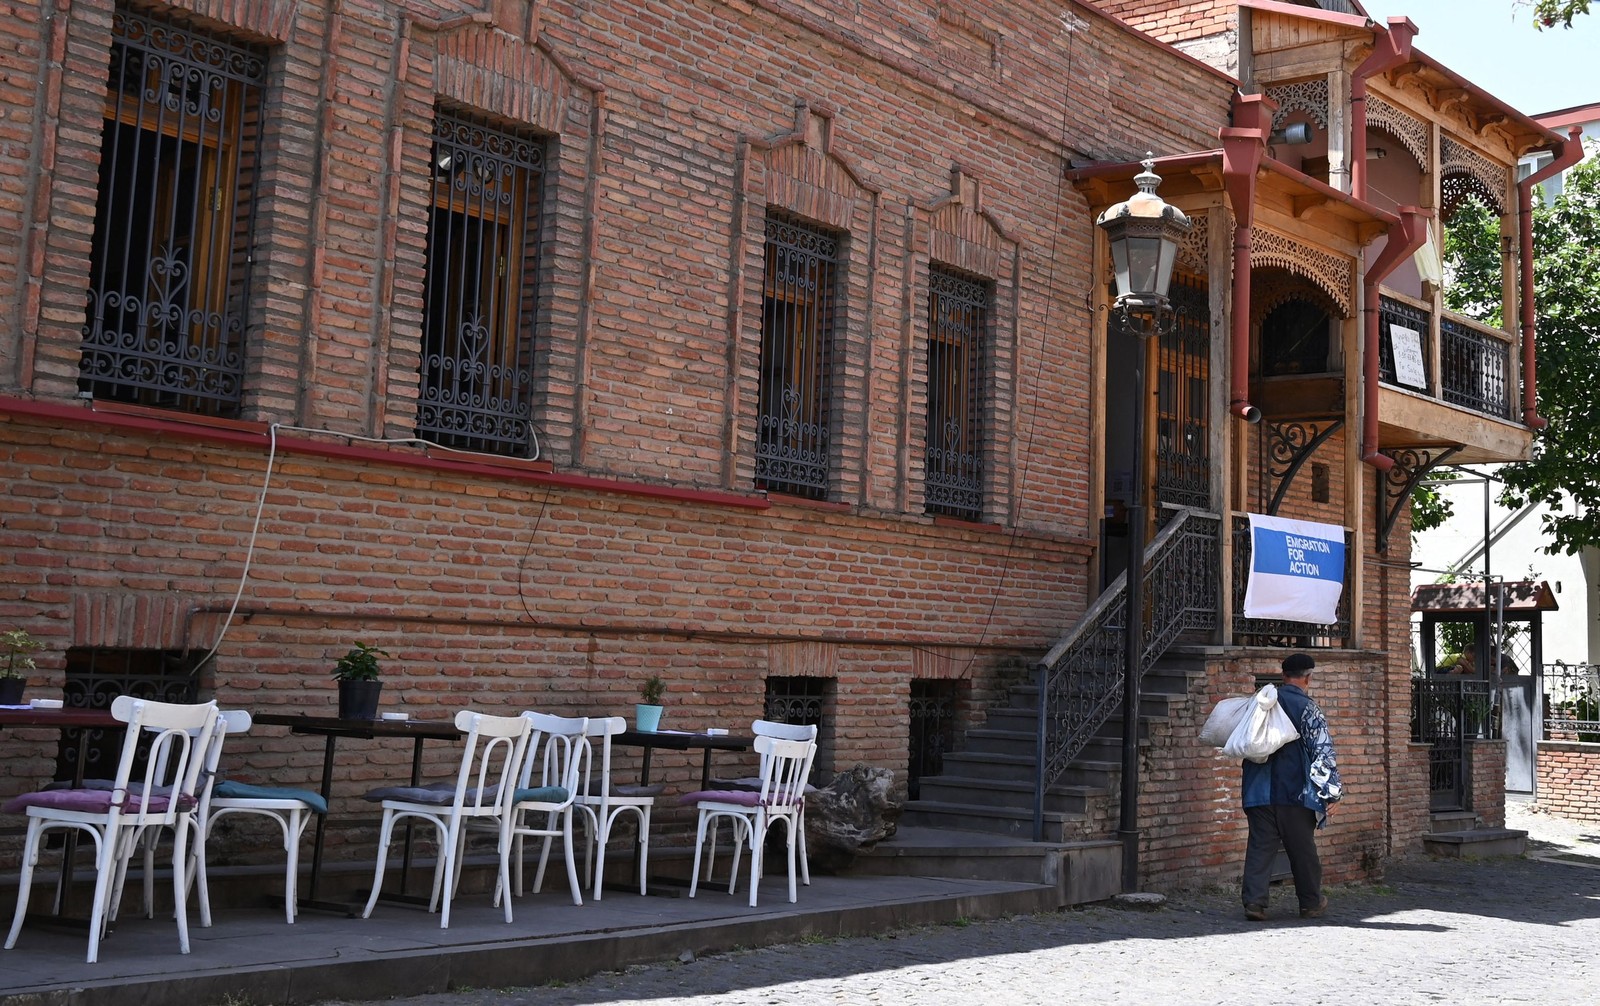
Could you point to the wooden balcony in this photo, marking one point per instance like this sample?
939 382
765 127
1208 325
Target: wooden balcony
1446 380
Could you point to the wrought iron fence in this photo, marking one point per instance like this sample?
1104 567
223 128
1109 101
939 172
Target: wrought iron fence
1393 312
1081 678
1183 355
1445 712
1572 701
1476 369
1279 631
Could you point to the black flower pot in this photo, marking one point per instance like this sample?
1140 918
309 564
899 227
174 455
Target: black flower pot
11 691
358 700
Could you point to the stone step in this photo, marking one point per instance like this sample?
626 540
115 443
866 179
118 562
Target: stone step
987 765
1006 793
1082 872
1015 822
1478 843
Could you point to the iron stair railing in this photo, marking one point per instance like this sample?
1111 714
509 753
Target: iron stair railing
1081 679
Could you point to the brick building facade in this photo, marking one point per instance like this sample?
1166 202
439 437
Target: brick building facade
595 193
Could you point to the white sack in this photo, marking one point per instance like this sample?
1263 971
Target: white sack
1263 730
1227 714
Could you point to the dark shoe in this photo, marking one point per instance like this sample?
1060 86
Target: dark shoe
1255 913
1315 913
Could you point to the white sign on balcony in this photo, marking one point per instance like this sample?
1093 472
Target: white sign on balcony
1405 345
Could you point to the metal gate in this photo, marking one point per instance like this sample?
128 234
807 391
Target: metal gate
1444 713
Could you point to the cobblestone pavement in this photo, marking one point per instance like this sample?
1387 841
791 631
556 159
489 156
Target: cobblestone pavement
1435 931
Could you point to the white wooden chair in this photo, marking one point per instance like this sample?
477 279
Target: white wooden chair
118 817
481 797
601 802
782 731
785 766
547 794
291 809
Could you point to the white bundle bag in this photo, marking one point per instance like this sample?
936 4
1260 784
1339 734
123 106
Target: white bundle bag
1263 729
1224 717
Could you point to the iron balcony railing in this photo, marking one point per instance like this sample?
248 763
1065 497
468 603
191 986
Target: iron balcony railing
1475 367
1081 678
1392 314
1279 631
1473 359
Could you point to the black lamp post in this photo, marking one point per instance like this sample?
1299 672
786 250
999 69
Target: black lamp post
1143 233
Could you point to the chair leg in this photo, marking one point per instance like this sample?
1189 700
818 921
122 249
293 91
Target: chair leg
805 864
790 828
572 866
644 847
105 863
195 876
596 831
544 858
451 845
180 894
384 834
699 844
758 839
293 828
502 882
30 859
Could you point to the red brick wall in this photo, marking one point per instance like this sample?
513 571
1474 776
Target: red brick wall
1175 20
1488 759
487 585
1568 779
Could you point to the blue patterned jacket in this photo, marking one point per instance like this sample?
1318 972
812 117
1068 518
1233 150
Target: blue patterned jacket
1302 773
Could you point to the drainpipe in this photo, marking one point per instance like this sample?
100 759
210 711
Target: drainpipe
1243 145
1405 237
1388 52
1571 153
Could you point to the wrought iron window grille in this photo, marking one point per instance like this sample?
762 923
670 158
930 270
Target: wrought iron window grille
174 219
482 287
958 341
96 676
794 413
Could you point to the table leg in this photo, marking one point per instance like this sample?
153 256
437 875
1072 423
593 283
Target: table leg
69 841
322 819
416 780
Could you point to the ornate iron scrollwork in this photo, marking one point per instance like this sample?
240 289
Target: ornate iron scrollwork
1289 446
1411 466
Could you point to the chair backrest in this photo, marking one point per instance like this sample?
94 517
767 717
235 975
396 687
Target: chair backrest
229 721
492 761
785 766
555 751
602 728
181 739
784 731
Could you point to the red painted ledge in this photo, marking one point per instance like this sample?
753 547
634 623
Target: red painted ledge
136 419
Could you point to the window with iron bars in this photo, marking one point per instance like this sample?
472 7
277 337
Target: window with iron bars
174 219
95 676
795 397
801 699
482 287
958 335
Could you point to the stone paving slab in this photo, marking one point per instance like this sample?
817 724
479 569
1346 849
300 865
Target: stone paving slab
253 957
1435 932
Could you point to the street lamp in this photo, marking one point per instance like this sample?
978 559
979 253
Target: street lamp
1143 233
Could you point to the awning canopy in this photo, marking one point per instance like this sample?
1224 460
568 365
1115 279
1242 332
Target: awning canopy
1518 597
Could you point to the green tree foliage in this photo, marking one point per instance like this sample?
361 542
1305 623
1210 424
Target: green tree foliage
1567 292
1549 13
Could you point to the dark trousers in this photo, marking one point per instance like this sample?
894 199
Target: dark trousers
1294 830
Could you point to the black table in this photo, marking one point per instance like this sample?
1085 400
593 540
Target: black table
83 721
673 740
331 728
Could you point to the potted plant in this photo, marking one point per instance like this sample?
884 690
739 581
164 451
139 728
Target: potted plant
357 673
15 645
647 714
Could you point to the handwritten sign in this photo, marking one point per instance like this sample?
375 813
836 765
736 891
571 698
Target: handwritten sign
1405 345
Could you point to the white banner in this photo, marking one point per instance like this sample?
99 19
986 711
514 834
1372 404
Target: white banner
1296 570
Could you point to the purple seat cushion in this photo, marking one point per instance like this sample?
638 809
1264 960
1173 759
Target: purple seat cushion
740 797
89 801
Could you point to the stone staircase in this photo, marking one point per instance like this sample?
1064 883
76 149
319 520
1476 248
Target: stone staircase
987 784
1459 835
975 819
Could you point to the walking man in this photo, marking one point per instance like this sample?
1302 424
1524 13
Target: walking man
1287 798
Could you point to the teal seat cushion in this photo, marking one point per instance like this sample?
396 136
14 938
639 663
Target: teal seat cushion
541 794
229 790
